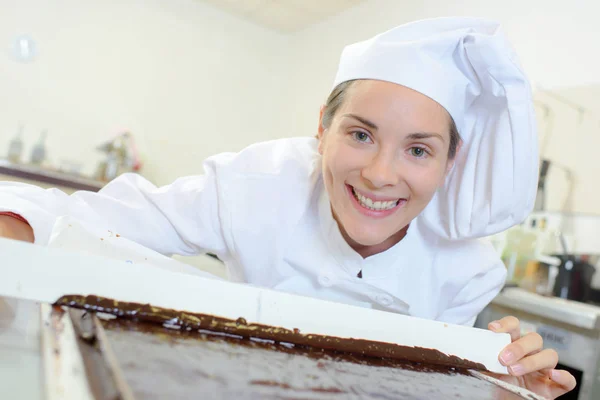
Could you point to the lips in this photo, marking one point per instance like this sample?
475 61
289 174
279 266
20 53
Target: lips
374 205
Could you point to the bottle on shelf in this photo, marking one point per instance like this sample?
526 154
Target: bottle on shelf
15 147
38 154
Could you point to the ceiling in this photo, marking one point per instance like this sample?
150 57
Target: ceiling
285 16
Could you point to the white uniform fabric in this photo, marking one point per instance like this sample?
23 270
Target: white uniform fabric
468 67
266 213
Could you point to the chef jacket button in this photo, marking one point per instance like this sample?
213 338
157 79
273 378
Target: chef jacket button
384 299
325 280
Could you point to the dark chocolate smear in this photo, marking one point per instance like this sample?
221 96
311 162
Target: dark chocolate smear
160 362
193 322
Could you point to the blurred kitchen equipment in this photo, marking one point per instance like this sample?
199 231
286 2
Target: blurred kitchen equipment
540 200
519 249
38 154
555 187
574 280
580 231
121 157
570 327
534 253
596 278
540 275
15 148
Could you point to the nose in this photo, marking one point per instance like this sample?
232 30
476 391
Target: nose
381 171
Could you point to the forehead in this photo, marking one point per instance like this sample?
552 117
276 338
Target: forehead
394 105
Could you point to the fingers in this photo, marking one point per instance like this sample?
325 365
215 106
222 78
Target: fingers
507 325
564 379
544 360
528 344
526 357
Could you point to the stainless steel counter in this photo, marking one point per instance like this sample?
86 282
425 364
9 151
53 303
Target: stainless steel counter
569 312
21 370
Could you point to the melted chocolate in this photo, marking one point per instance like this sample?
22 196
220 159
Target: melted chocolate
159 362
240 327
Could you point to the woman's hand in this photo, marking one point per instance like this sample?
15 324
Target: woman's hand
13 228
529 364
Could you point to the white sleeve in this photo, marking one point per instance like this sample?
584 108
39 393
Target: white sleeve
181 218
475 296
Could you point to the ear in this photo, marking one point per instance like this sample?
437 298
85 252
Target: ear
321 129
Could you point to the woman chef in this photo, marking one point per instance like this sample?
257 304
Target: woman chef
427 143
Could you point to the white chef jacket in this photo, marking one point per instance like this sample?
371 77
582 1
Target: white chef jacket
265 212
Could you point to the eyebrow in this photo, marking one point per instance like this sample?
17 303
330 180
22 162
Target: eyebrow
424 135
362 120
412 136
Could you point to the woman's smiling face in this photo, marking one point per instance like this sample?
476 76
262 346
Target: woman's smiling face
385 153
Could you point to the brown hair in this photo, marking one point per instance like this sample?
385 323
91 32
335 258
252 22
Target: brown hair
336 99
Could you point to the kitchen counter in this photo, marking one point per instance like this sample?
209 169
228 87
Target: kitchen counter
585 316
21 371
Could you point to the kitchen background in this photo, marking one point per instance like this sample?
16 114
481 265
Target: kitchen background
191 78
92 88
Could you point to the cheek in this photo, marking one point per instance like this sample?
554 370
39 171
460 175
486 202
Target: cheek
331 172
424 183
341 161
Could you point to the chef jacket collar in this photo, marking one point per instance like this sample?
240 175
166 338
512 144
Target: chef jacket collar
383 265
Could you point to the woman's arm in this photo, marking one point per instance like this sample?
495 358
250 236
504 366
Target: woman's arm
181 218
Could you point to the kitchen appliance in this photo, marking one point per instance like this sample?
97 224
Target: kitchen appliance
574 279
538 244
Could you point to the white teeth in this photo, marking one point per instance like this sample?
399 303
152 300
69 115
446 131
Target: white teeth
374 205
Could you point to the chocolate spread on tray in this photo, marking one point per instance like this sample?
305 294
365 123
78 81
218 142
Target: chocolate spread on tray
173 354
240 327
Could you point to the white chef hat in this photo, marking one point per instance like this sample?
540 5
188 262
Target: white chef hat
468 67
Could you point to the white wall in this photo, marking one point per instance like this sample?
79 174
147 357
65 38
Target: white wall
185 78
569 126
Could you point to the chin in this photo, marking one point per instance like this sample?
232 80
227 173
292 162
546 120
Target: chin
366 238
